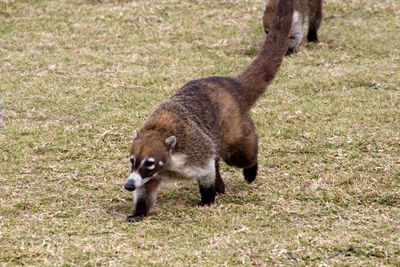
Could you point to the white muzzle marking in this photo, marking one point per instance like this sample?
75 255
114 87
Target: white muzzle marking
137 179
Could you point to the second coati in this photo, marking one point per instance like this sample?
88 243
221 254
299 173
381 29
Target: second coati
206 120
304 11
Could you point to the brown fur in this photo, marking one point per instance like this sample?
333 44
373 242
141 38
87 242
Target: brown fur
209 119
310 10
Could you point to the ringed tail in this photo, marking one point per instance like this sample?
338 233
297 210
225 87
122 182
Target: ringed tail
259 74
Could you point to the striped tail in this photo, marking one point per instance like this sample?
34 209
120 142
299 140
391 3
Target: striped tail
259 74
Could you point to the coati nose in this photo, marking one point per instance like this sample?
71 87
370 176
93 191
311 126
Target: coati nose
266 31
130 186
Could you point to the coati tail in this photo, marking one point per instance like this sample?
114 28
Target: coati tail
263 69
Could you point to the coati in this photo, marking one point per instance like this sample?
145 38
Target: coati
206 120
304 10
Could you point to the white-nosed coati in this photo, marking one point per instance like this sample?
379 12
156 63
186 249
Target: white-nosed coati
206 120
304 10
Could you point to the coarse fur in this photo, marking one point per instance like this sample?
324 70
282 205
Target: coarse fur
304 11
205 121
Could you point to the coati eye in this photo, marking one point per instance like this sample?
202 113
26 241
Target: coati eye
266 30
132 160
149 163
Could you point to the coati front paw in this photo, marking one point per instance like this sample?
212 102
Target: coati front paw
206 202
134 218
201 204
207 196
290 51
220 189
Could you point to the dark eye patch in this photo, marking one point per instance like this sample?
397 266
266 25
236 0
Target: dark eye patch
132 160
149 162
147 167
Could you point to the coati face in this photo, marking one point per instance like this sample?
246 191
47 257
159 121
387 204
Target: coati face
296 31
269 13
148 155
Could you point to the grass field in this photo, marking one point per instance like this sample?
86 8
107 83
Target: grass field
78 76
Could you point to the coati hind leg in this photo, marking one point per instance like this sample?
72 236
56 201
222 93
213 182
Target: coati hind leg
250 173
144 198
243 154
219 184
315 21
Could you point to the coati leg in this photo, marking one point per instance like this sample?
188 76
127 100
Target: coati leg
315 22
296 33
144 198
250 173
207 184
219 184
243 154
207 194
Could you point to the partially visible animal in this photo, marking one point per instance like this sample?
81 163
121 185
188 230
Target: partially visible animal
206 120
304 11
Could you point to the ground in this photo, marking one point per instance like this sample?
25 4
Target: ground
77 77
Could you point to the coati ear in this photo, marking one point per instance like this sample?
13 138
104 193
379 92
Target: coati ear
134 134
171 141
264 7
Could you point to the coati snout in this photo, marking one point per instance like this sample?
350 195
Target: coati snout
130 185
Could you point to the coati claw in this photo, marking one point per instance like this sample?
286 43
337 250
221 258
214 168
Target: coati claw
134 218
201 204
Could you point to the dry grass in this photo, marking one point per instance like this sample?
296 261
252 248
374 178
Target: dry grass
76 77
